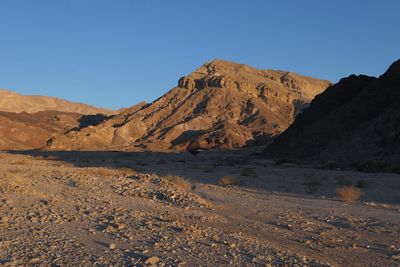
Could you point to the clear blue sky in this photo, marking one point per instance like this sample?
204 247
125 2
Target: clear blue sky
116 53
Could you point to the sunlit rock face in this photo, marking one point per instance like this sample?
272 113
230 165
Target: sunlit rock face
220 105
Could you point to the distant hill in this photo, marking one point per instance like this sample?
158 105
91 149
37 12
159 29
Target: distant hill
13 102
354 123
220 105
25 131
30 131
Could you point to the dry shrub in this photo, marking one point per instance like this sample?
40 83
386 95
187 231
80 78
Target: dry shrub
179 182
15 171
348 193
108 171
249 171
19 162
227 181
103 172
126 171
63 164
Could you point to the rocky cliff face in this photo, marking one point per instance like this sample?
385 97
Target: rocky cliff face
13 102
354 123
220 105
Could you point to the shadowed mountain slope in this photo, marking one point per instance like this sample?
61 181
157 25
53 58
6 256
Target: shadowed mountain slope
355 122
220 105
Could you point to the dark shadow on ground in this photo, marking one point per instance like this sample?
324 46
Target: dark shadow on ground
207 167
197 168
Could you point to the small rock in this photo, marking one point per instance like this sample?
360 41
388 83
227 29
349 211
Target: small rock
152 260
34 260
4 219
44 202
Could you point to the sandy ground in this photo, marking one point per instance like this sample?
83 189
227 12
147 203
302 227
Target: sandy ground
130 209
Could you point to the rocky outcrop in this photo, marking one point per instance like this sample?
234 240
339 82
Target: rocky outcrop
187 82
220 105
354 123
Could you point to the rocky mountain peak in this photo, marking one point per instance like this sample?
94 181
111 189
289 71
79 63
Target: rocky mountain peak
221 104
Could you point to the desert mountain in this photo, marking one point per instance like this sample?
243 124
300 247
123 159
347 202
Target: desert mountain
355 122
13 102
25 131
29 131
220 105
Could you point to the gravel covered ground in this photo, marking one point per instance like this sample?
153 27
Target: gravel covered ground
138 209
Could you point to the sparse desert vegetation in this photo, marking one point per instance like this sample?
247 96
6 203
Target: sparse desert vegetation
98 171
348 193
19 162
180 182
115 209
127 171
227 180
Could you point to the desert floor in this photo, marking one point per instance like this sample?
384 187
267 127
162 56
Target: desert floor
132 209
